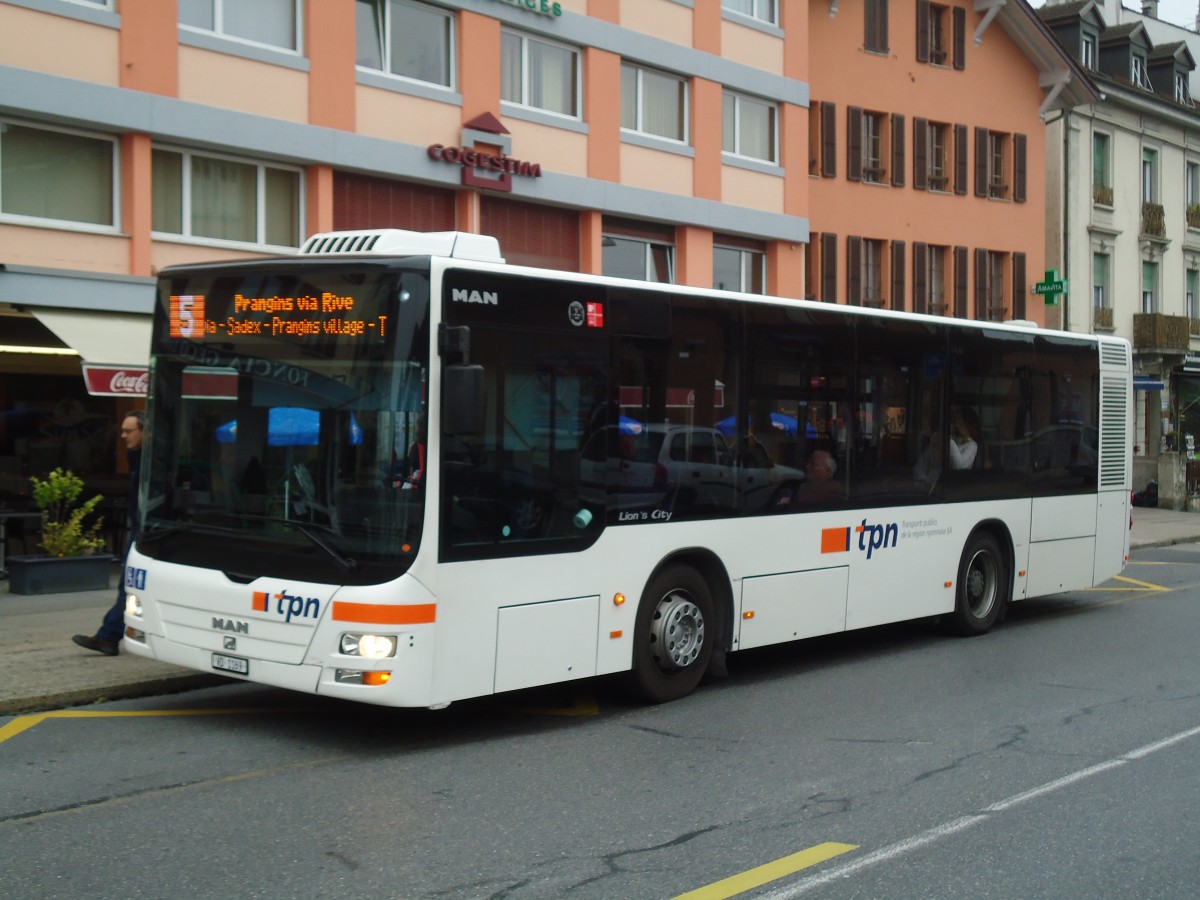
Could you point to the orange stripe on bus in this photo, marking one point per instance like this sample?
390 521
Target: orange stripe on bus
385 614
835 540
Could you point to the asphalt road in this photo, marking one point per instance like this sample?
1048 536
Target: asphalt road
1054 757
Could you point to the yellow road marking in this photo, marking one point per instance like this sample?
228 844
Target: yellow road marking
23 723
772 871
1144 585
582 706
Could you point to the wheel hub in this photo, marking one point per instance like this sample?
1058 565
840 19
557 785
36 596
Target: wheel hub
677 632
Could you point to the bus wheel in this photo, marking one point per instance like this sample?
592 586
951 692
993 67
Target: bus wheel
982 586
673 636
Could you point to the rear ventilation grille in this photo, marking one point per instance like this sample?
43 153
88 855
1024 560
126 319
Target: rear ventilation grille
1112 354
355 242
1114 430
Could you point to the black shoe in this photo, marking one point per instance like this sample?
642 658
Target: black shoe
108 648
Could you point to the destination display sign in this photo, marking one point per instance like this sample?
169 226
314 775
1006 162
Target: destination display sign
326 313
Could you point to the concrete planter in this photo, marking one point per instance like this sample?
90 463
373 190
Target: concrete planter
56 575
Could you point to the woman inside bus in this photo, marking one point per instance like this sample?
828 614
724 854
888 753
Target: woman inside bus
964 429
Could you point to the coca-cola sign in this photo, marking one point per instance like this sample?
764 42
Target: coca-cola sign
110 381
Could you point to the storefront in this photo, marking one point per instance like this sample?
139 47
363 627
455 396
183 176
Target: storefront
67 376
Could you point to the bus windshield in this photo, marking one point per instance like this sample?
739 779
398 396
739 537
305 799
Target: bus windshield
287 409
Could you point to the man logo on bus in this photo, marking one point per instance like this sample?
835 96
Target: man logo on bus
300 607
870 538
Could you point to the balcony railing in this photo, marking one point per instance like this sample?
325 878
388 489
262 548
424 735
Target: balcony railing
1155 331
1102 195
1102 317
1154 222
1194 327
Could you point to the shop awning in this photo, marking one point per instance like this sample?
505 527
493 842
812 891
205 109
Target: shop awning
1147 383
121 339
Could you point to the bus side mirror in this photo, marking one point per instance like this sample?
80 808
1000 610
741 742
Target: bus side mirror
462 399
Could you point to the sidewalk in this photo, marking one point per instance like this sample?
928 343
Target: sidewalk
41 669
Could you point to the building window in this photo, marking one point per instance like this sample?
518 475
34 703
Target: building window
219 198
1100 298
1182 94
997 161
1088 51
539 74
275 23
1193 294
58 175
875 25
1149 176
653 103
872 273
638 256
870 139
763 10
938 17
873 126
1149 287
1102 192
936 279
411 40
1138 73
997 308
737 269
749 127
938 171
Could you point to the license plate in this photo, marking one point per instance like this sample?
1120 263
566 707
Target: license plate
234 664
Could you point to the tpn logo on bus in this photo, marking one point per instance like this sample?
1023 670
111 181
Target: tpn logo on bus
589 314
870 538
482 168
297 606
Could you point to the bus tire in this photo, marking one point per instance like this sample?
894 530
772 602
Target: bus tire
673 635
983 585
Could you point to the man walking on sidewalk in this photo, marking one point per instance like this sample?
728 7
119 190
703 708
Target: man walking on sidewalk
107 640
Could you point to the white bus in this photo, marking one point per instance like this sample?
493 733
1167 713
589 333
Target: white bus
394 469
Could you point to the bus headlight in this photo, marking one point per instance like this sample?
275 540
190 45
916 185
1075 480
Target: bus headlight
369 646
133 604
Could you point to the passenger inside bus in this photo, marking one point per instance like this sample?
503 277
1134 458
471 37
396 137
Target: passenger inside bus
821 484
964 431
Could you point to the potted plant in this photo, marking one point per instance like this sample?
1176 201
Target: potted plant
72 561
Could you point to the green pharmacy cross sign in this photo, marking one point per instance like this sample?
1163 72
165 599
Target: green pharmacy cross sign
1052 288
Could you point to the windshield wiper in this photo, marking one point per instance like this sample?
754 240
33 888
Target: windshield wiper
345 563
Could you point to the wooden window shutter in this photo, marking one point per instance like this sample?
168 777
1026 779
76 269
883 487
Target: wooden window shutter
920 154
960 38
960 160
875 25
897 150
922 30
854 270
828 140
920 289
811 265
1018 286
981 162
898 275
960 282
981 283
1020 167
854 143
829 267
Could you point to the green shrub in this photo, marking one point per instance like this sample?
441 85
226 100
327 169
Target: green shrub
65 531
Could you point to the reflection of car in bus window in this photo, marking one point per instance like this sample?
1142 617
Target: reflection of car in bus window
681 468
